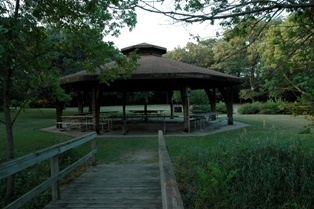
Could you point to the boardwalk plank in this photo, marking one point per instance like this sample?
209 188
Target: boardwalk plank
131 186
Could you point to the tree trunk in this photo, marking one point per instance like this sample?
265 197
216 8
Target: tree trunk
9 130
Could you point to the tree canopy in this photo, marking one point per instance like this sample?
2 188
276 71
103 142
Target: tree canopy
274 59
41 40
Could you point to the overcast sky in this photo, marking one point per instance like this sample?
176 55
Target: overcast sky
156 29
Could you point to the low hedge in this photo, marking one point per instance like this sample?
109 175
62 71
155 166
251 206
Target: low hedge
248 174
270 107
220 107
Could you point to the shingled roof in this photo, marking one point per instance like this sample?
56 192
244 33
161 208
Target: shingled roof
157 73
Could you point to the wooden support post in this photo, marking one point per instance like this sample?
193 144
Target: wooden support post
59 111
228 97
80 106
145 109
93 147
124 127
54 170
211 94
186 107
96 107
124 104
170 95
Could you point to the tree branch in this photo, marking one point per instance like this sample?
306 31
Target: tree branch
192 17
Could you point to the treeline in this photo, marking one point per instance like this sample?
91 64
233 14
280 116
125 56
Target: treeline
274 58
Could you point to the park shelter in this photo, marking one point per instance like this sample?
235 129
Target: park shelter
155 73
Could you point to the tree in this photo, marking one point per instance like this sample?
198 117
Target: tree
200 53
238 53
288 54
233 13
27 52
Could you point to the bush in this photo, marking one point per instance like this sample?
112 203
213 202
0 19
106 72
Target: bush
277 107
220 107
249 174
203 108
249 108
270 107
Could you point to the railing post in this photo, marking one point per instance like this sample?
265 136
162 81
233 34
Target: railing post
54 170
93 147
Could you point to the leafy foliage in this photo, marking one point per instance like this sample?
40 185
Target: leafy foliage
269 107
273 54
200 54
247 174
39 39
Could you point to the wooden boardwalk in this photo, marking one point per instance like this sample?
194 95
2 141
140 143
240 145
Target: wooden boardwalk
131 186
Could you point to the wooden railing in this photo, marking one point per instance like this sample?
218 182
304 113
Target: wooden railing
171 198
14 166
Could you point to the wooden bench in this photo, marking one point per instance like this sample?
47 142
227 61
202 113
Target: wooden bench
197 122
73 125
216 122
83 126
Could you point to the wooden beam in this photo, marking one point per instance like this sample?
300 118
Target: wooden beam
170 95
211 94
80 101
96 107
226 92
54 171
184 90
59 111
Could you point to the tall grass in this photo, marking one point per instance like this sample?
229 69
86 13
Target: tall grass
28 137
261 173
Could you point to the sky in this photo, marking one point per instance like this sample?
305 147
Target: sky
159 30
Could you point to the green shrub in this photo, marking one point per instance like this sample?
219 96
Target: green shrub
221 107
247 174
249 108
198 97
270 107
204 108
277 107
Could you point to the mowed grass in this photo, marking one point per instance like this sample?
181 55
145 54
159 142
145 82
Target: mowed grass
29 137
279 127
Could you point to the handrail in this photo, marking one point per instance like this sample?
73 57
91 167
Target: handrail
52 153
171 198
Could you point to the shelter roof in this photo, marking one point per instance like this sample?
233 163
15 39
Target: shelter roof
157 73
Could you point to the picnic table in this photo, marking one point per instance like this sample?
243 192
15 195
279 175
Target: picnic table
137 116
203 119
144 114
84 121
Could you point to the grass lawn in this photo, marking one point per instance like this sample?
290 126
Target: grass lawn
29 137
281 127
